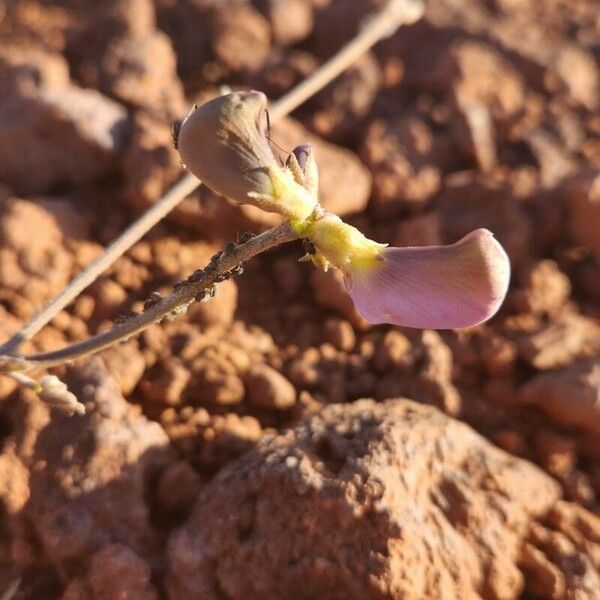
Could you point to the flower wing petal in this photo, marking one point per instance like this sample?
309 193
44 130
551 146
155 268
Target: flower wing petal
435 287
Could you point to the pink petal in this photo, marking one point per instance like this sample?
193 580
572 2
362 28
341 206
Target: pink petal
434 287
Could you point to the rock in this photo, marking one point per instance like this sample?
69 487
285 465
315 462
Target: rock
498 354
110 299
267 388
115 571
341 334
557 344
468 201
35 262
303 371
24 69
240 36
188 26
227 437
220 309
343 104
560 566
291 20
108 21
583 193
363 501
282 70
554 160
142 72
121 53
485 85
579 71
557 453
336 23
166 382
419 230
177 488
393 352
578 487
545 289
290 279
150 162
89 487
432 381
544 579
215 381
578 524
570 397
344 182
330 293
126 365
403 155
14 482
130 275
587 279
35 23
67 136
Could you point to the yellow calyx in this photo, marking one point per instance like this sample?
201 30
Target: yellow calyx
288 197
342 245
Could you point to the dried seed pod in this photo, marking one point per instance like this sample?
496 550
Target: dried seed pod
224 143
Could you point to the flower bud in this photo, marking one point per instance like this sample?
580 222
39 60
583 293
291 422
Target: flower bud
56 394
224 143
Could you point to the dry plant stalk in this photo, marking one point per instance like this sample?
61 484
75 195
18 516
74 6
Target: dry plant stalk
200 284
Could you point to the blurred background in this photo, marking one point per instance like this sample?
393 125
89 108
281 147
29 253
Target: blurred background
483 114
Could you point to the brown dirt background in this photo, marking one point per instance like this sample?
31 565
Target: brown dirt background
228 454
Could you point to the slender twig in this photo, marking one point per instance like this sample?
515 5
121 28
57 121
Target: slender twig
381 25
197 287
116 249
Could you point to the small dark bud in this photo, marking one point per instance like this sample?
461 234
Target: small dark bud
302 154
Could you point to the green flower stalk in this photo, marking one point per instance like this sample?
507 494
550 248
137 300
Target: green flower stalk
225 143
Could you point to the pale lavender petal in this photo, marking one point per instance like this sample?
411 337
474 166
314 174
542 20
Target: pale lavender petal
434 287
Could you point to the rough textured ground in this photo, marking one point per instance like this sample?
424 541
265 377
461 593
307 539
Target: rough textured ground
231 453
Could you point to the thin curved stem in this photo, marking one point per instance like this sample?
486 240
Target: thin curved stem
115 250
222 266
377 27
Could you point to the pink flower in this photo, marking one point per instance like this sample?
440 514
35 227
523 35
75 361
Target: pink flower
435 287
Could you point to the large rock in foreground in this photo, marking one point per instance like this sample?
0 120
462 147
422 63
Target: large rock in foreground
365 500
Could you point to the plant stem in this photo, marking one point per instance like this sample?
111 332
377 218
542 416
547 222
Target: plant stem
219 268
381 25
116 249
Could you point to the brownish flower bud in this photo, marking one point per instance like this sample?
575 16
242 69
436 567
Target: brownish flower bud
225 144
